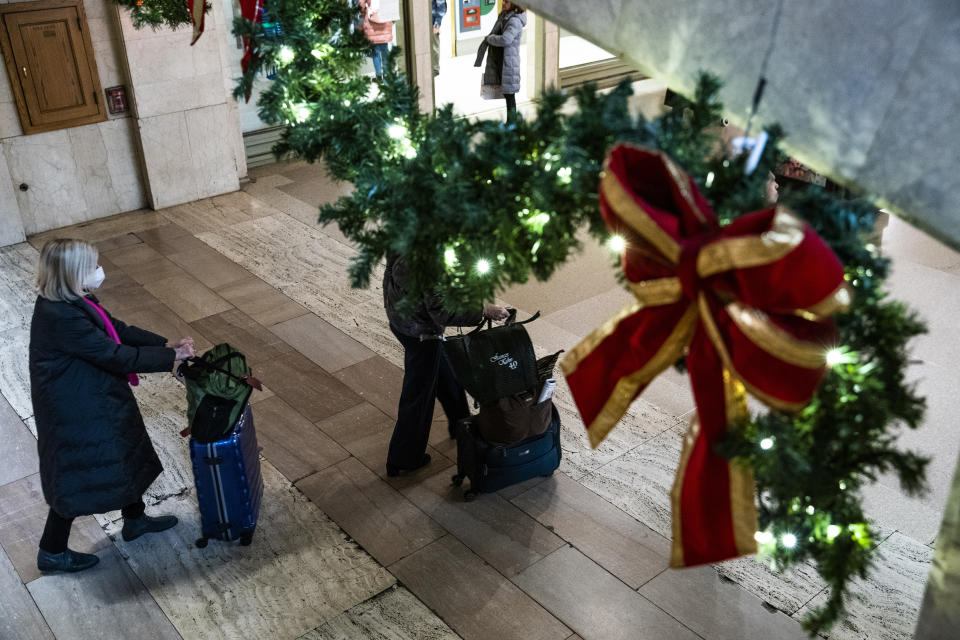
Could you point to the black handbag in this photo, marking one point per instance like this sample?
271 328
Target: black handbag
495 362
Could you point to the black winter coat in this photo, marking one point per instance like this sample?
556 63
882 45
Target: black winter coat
430 318
95 454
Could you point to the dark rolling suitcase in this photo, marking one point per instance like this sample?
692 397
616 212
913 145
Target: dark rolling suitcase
229 484
491 467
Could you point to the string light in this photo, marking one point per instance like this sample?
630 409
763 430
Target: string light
450 258
709 181
286 54
617 244
832 532
763 537
766 444
564 174
483 266
397 131
835 356
301 112
789 540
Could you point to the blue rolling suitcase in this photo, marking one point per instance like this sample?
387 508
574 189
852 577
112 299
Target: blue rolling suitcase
229 484
491 467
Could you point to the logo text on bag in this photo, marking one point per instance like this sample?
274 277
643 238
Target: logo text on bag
505 360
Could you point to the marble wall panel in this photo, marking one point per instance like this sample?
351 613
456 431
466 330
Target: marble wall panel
9 117
45 163
90 155
123 162
169 172
211 150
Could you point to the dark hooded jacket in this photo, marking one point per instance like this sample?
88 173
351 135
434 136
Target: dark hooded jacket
95 454
430 318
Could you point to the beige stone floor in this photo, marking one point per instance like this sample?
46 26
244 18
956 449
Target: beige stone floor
344 552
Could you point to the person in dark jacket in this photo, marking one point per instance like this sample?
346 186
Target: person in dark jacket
427 374
95 454
503 61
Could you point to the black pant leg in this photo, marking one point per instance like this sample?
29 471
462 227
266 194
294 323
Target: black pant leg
133 511
421 363
450 393
56 533
511 99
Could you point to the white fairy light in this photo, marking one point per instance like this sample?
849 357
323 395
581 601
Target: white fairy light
450 257
709 182
811 510
617 244
763 537
397 131
346 102
564 174
835 356
832 532
483 266
286 54
788 540
766 444
301 112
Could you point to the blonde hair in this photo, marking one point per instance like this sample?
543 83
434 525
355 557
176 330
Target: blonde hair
64 264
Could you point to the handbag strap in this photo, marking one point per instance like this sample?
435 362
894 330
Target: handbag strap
510 321
132 378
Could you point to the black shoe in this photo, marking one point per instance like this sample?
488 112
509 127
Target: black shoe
68 560
393 471
133 528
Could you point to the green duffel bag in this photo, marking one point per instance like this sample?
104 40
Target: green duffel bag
219 384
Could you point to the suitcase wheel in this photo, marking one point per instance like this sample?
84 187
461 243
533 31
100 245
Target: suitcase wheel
201 543
547 475
456 480
246 539
469 495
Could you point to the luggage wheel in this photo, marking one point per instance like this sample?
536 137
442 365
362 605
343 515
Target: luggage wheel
547 475
246 539
456 480
201 543
469 495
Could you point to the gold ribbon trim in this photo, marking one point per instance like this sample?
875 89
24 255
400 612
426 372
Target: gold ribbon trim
785 234
626 389
633 214
838 301
757 326
657 292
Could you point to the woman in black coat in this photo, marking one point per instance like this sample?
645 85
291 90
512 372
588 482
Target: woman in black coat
95 454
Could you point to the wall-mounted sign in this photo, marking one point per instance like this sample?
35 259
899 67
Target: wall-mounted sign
116 99
469 15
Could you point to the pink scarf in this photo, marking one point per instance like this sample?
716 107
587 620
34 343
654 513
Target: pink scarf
133 378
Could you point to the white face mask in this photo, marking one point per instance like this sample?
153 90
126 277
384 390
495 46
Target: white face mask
94 280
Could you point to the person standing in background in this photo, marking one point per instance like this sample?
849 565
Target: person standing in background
439 10
378 32
501 75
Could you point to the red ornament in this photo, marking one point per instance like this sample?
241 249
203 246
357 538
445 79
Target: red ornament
748 305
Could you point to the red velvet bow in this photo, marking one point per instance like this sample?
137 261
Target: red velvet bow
748 305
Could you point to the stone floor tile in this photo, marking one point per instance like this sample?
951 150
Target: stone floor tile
292 443
19 617
371 450
490 526
135 305
476 601
142 263
15 369
102 228
716 608
23 513
210 214
106 602
608 536
440 438
244 333
395 614
377 381
188 298
18 269
784 590
117 242
207 265
19 446
595 604
164 238
261 394
380 519
356 423
260 301
639 481
306 387
323 343
886 605
114 277
300 571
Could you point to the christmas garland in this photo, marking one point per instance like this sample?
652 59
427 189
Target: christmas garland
158 13
477 206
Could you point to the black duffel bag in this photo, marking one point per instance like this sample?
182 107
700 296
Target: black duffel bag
495 362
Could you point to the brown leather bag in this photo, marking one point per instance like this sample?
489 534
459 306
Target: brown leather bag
514 418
